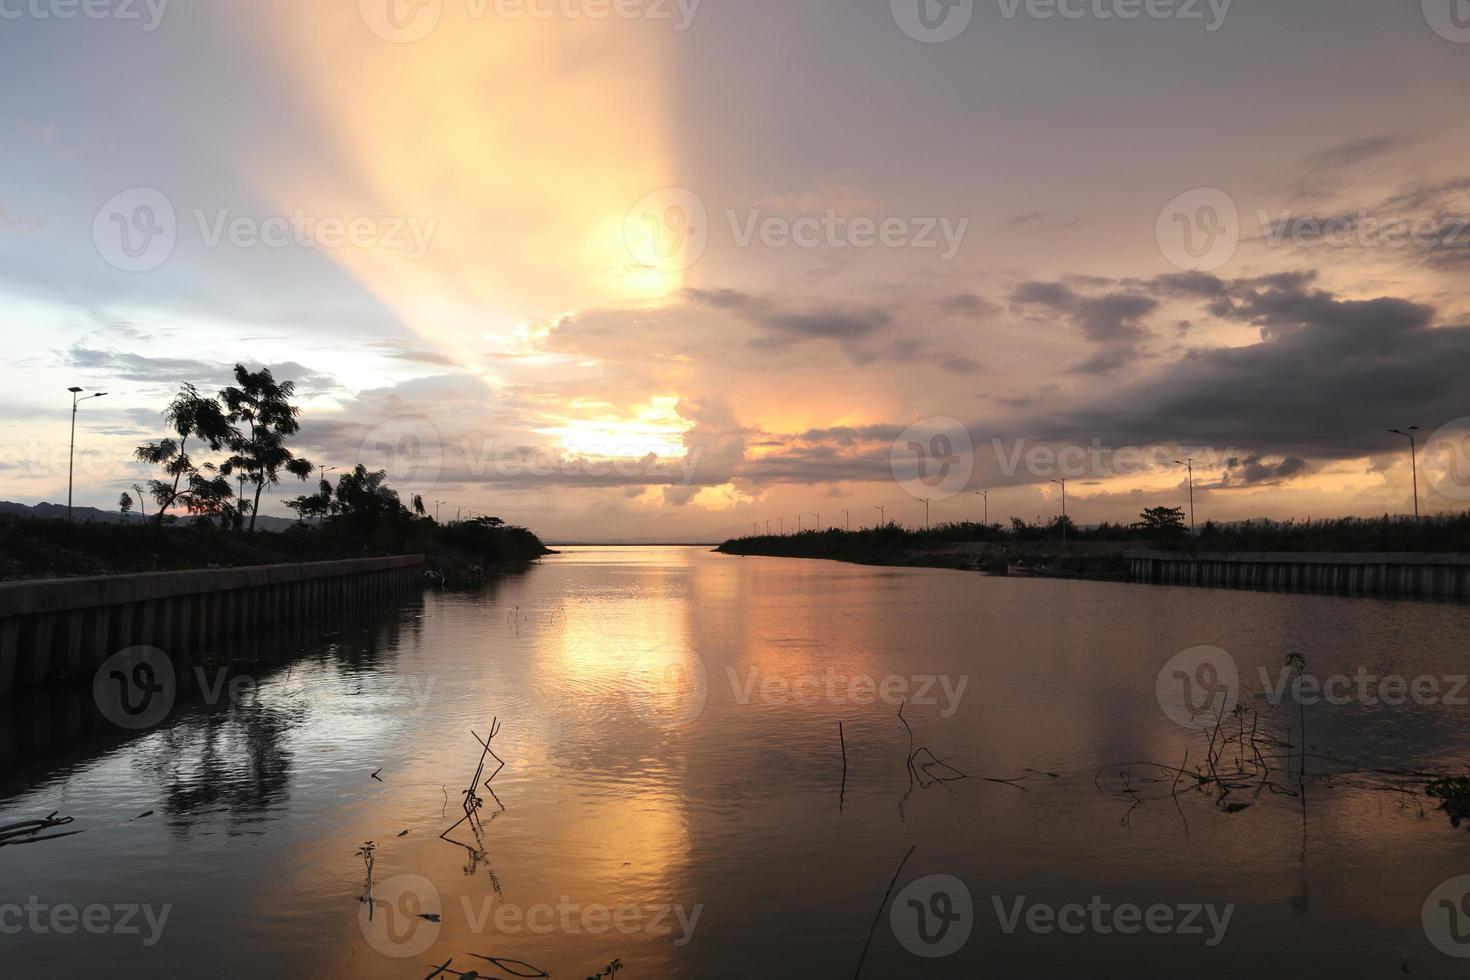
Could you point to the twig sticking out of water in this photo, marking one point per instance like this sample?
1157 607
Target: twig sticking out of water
515 968
919 770
26 831
842 794
368 853
884 904
472 801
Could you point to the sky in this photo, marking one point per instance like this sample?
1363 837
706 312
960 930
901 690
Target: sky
651 270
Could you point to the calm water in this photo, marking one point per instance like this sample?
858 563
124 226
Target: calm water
670 803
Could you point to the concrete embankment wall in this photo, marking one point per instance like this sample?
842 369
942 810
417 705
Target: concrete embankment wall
1421 575
61 629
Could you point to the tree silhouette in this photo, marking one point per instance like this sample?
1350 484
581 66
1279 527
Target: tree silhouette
189 415
260 409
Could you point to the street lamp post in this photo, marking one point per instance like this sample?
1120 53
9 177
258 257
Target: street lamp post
72 452
882 515
986 495
926 513
1189 464
847 519
1413 462
818 526
1063 485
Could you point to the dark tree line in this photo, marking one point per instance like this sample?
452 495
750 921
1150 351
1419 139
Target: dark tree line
250 422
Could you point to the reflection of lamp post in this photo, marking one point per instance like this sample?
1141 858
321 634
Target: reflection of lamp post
882 515
72 453
986 495
1189 463
1063 485
1413 462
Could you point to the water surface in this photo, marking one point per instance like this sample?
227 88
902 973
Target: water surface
673 793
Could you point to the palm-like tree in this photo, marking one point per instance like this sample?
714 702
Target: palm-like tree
260 409
189 415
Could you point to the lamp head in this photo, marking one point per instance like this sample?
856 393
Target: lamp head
75 391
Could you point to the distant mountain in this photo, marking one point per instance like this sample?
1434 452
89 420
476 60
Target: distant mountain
84 515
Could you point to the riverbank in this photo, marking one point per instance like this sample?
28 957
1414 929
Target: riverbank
1346 555
35 549
1103 561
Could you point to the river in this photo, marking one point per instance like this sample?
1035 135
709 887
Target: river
677 799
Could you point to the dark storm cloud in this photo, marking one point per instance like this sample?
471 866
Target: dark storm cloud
1328 376
1110 318
1423 223
1323 172
402 352
1255 471
1028 217
784 326
1356 151
865 334
177 371
969 304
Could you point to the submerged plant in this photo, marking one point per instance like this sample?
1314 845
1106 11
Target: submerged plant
1453 793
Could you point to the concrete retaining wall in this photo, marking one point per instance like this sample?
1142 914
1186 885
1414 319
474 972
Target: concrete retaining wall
1426 575
62 629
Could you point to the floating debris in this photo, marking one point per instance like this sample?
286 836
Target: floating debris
29 831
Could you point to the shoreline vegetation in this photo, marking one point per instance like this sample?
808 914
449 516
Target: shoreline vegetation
36 548
1101 552
217 458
